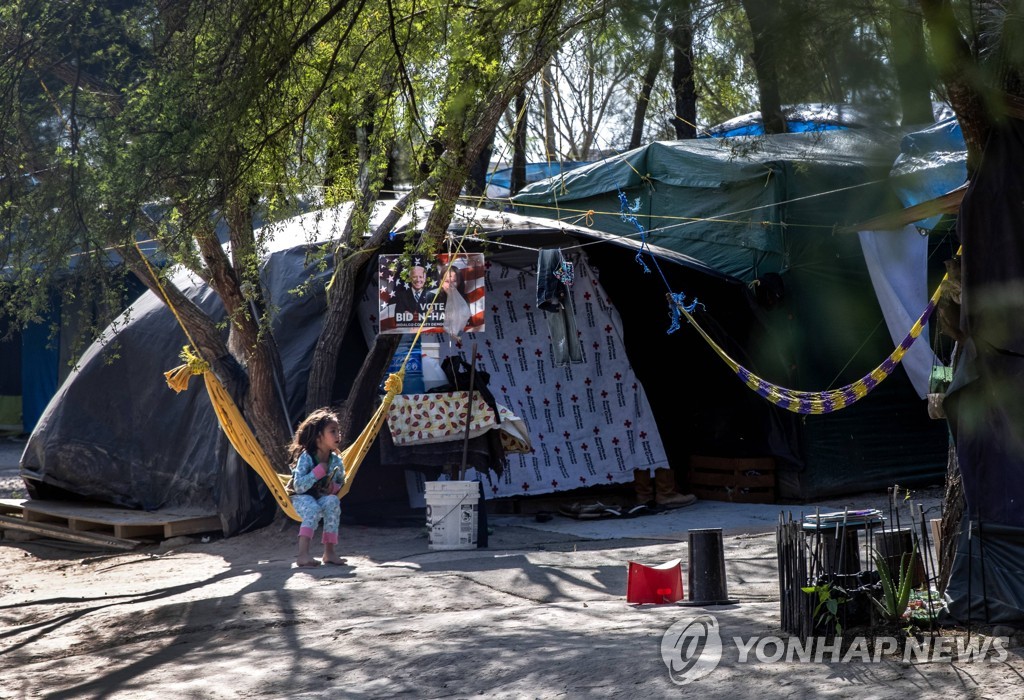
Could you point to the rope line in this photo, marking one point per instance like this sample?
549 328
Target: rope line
819 402
796 401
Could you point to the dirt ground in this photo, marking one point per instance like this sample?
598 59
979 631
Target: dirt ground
537 614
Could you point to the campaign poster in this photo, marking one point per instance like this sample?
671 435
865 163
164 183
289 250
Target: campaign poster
443 294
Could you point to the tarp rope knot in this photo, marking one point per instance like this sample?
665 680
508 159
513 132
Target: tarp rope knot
178 377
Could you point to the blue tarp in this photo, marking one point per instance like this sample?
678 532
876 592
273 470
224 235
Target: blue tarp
931 163
813 117
792 126
534 172
40 358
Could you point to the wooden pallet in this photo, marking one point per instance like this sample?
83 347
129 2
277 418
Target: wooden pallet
732 479
99 523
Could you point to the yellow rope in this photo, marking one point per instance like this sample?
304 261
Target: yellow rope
829 400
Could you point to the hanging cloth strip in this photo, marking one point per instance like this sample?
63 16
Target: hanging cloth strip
239 433
816 402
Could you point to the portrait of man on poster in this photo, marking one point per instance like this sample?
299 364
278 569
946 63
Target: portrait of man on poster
429 290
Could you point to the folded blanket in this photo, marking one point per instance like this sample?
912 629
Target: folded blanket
441 417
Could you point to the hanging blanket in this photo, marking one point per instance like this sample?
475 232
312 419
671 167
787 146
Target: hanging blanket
441 417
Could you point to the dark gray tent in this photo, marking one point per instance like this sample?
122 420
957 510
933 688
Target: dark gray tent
115 433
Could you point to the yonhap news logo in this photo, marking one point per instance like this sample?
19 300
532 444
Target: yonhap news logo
692 648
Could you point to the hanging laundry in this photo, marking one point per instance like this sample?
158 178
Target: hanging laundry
554 298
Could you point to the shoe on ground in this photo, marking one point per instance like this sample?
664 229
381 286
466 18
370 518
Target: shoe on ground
676 500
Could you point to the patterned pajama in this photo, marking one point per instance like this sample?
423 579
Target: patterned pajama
312 510
311 480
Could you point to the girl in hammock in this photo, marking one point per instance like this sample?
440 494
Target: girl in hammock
317 477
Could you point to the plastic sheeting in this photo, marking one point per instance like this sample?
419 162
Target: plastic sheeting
898 264
724 201
40 358
534 172
931 163
986 582
814 117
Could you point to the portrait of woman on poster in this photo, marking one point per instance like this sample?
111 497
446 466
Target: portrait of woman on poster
450 296
451 280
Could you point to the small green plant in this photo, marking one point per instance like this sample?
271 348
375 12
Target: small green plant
827 610
924 607
895 593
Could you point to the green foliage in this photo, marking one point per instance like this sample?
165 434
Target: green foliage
185 124
895 592
177 122
827 610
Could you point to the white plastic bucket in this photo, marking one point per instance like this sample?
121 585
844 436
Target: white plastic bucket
452 512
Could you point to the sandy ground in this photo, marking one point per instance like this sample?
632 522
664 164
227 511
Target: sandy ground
11 485
538 614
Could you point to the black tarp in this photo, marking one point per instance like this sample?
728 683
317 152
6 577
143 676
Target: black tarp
116 433
985 402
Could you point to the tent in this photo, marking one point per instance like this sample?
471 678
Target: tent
768 213
499 181
115 433
983 410
815 117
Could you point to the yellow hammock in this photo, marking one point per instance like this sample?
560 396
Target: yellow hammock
237 429
241 438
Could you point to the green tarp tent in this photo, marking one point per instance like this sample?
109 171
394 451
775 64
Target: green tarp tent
765 211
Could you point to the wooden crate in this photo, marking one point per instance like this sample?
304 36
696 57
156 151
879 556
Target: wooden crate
732 479
102 524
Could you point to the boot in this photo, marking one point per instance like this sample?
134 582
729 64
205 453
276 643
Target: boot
643 487
666 495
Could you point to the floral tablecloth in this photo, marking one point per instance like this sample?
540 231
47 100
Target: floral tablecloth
441 417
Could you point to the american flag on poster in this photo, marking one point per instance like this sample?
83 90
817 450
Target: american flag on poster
430 291
472 270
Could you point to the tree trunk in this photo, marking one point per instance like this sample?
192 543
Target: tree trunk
362 399
684 121
550 149
337 315
766 30
958 71
909 62
643 100
518 179
324 367
952 515
444 207
476 183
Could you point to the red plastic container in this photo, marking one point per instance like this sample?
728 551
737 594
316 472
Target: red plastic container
655 584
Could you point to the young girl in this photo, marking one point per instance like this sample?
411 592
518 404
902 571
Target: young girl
317 477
